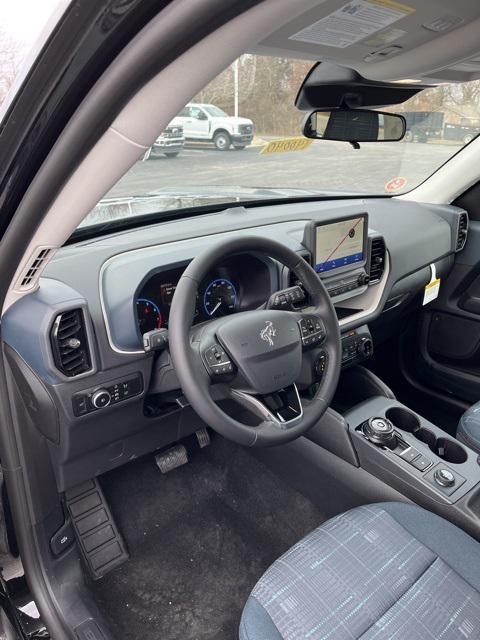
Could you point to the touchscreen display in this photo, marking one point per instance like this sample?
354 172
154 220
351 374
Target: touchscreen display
339 244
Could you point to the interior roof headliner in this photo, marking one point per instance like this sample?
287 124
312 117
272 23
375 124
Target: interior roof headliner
452 55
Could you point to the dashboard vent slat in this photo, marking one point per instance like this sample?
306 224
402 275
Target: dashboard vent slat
462 231
70 347
34 268
377 260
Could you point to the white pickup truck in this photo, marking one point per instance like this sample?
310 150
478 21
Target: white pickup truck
169 143
208 123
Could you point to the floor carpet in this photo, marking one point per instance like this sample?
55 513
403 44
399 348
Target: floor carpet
199 538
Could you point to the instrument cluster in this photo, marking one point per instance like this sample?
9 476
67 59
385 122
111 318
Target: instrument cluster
239 283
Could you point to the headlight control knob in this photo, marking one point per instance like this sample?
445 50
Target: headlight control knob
101 398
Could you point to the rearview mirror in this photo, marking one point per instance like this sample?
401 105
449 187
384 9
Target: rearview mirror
354 125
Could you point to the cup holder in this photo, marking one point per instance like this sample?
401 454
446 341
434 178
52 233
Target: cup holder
403 419
426 436
449 450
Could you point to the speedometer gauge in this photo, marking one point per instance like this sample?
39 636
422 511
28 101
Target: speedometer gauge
220 298
149 315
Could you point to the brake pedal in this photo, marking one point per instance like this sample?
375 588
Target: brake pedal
100 541
203 437
172 458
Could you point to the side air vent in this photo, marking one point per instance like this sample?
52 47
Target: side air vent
462 231
377 260
35 265
292 278
69 343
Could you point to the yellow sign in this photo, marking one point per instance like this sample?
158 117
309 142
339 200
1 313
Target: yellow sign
285 145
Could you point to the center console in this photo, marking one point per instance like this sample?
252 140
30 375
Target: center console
393 442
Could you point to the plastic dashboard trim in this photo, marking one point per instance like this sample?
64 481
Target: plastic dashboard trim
361 315
165 267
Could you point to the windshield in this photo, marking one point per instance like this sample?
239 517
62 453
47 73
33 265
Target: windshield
216 112
24 28
264 156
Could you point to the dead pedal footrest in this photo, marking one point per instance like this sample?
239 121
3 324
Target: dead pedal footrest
101 544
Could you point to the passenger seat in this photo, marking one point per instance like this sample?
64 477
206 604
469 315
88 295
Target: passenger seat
468 430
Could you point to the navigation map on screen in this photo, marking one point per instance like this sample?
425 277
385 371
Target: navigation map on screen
339 244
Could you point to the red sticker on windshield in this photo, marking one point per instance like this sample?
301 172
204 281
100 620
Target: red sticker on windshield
395 184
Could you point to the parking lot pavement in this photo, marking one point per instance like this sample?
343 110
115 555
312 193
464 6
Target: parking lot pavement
324 165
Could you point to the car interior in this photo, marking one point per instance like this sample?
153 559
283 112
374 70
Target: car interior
256 418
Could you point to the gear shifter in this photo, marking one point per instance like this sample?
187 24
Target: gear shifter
380 431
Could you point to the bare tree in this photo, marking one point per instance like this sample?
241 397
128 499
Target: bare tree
11 57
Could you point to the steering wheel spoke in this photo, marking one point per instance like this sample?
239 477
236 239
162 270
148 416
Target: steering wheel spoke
283 408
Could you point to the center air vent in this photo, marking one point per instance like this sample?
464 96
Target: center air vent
69 343
377 260
462 231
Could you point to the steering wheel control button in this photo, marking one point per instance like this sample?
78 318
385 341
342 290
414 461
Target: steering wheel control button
217 361
312 331
444 477
379 431
421 463
96 399
101 398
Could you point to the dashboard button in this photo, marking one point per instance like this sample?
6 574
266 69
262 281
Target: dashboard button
410 454
444 477
421 463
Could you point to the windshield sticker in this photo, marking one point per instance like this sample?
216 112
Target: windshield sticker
286 145
395 184
353 22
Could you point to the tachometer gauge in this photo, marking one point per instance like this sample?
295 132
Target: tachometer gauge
220 298
149 315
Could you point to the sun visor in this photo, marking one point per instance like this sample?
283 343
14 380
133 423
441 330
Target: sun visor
328 86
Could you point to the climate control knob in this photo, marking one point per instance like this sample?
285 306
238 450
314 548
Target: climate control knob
101 398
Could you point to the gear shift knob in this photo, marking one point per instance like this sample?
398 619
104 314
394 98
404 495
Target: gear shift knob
379 431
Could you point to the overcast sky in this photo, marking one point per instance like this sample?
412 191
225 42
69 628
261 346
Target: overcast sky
23 26
25 19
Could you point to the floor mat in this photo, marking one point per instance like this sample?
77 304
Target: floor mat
199 538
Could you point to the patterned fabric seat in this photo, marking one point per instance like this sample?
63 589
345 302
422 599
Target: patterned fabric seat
380 571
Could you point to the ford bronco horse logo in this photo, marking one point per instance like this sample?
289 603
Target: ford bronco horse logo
268 333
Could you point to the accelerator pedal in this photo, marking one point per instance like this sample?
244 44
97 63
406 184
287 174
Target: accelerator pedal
100 542
171 458
203 437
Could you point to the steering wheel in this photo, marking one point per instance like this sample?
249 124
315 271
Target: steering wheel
256 355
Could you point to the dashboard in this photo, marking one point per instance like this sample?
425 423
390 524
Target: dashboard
239 283
114 401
